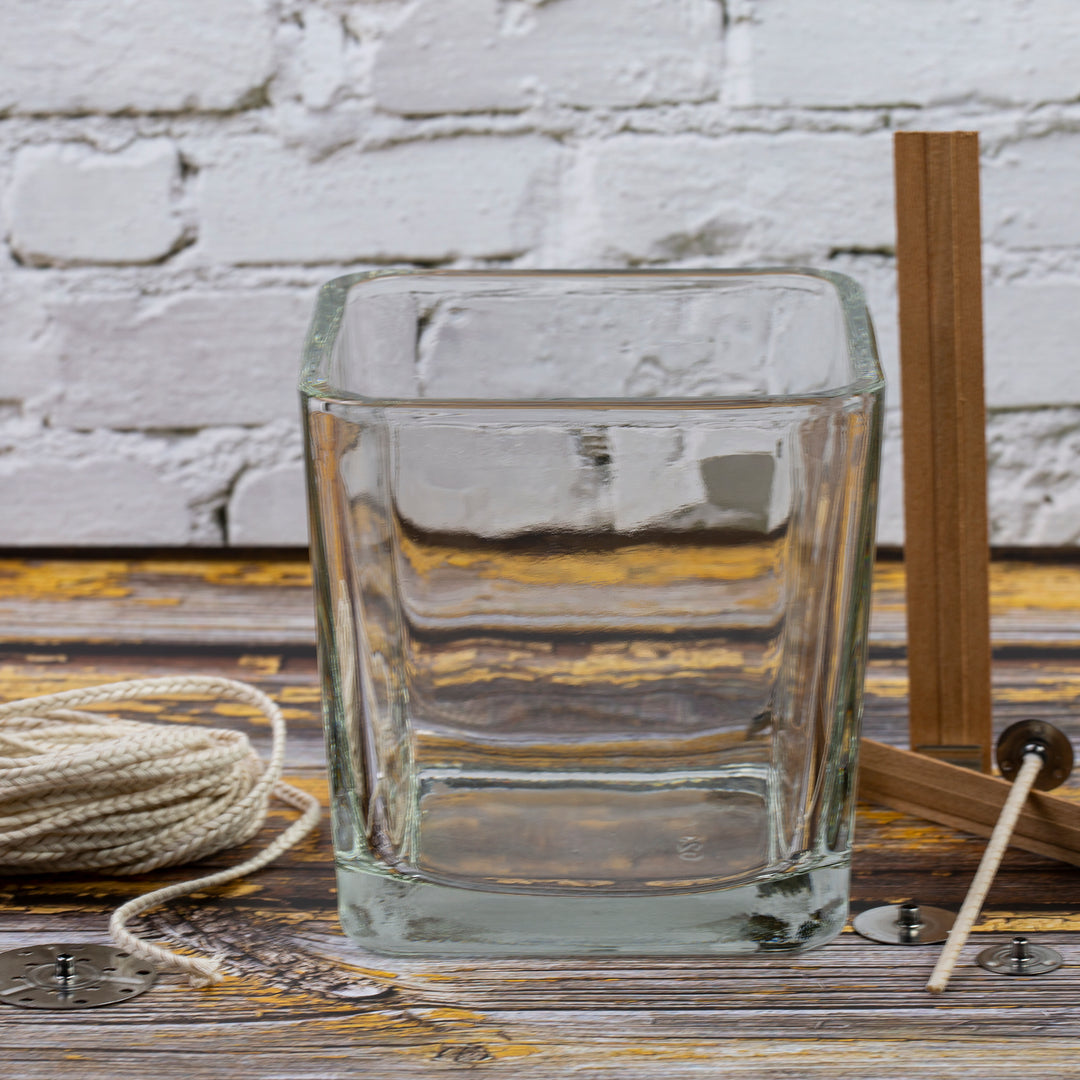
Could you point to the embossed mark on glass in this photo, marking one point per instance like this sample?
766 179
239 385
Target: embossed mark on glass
592 557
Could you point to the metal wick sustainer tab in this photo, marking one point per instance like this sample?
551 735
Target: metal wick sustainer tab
904 924
71 976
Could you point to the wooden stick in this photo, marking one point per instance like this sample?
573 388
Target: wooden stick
962 799
984 876
946 547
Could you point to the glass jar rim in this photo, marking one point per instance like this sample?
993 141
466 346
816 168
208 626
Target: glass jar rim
315 382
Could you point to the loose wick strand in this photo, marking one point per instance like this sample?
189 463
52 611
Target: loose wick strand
984 876
85 791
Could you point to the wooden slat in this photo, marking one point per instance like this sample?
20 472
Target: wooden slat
964 799
193 602
946 547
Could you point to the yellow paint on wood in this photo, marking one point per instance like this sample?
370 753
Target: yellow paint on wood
313 785
615 664
296 714
233 889
16 683
1019 922
893 687
888 586
264 572
261 665
452 1015
60 579
1014 586
299 695
235 708
637 564
1056 692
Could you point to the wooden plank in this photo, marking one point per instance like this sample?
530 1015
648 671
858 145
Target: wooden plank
224 603
183 601
1032 603
344 1056
946 546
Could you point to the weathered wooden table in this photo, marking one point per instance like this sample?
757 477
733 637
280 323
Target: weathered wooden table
299 1005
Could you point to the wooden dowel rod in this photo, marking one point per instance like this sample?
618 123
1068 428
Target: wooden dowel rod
946 543
963 799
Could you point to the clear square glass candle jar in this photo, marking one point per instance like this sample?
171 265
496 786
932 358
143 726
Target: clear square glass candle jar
592 556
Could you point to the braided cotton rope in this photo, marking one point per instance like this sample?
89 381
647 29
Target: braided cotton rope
85 791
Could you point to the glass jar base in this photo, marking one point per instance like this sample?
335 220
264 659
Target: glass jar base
400 916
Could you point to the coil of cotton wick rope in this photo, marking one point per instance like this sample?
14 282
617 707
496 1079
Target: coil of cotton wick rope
84 791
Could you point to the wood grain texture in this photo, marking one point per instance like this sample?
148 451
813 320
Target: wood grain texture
195 603
939 274
189 602
964 799
305 1003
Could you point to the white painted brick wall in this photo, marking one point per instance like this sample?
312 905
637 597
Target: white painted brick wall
69 204
27 368
268 506
919 52
191 360
93 501
469 56
1032 329
1028 202
428 201
110 56
774 198
177 178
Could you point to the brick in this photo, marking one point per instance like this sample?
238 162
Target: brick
70 204
1027 193
835 53
468 196
495 481
745 198
651 480
89 502
269 508
27 368
651 337
75 56
188 360
1031 332
322 57
588 345
378 343
890 520
1034 477
499 57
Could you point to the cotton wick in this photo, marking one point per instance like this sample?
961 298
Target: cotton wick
1032 753
85 791
984 876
